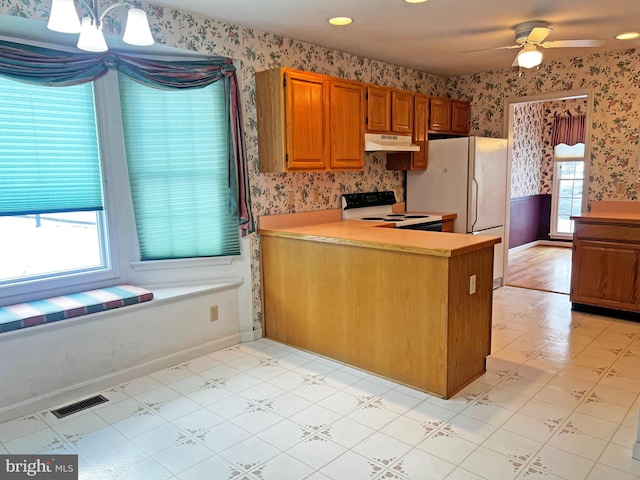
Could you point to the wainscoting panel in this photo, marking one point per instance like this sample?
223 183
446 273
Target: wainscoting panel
529 220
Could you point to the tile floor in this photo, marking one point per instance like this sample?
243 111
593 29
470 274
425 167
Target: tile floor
559 401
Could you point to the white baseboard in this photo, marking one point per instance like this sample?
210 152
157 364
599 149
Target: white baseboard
251 336
549 243
74 392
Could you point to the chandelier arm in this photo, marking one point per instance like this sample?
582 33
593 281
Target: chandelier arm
91 7
111 7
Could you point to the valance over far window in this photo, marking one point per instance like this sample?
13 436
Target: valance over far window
568 129
48 67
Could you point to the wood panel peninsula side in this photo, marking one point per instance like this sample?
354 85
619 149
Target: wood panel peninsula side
396 303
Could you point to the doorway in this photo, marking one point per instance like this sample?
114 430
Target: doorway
543 262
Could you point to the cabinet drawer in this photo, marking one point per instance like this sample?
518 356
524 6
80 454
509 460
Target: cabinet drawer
605 231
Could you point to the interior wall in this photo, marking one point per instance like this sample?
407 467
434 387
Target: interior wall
616 109
61 361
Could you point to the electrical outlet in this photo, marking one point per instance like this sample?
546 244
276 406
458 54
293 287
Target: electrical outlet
621 187
213 313
472 284
315 196
291 198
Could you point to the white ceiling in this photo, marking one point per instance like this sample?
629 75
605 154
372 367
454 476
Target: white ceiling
431 36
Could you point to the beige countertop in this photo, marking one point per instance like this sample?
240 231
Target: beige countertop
611 212
326 227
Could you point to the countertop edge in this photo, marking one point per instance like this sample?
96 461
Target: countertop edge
420 250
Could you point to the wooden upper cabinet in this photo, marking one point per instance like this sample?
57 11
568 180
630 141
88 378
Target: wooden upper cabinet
460 117
347 113
420 132
401 112
378 109
292 120
306 121
440 114
449 116
389 110
309 122
414 160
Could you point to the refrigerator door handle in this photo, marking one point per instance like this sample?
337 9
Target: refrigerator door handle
475 207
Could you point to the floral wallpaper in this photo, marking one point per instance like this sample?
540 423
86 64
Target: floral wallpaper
526 149
613 78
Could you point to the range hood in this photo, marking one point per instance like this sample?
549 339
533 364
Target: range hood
374 142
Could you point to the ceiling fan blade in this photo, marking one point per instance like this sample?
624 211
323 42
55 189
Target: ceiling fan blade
538 34
572 43
494 48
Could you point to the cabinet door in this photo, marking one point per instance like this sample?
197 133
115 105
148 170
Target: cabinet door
306 121
420 131
347 111
439 114
606 274
402 112
378 109
460 114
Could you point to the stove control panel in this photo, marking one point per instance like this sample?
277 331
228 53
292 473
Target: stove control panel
369 199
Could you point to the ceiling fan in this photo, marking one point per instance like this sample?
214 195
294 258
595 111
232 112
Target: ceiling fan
531 35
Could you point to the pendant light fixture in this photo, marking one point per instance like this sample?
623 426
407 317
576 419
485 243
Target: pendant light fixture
64 18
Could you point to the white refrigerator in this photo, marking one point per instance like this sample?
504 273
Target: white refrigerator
467 176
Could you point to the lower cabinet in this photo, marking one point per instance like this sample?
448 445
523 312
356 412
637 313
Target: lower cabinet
606 266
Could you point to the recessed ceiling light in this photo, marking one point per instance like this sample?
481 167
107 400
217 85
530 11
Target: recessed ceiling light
415 1
340 21
628 36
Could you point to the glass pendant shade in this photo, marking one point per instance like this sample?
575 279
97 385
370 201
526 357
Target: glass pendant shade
91 38
137 31
63 17
529 57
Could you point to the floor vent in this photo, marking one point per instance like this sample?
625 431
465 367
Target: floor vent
78 406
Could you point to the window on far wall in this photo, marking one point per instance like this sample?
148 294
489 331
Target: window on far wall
54 229
568 184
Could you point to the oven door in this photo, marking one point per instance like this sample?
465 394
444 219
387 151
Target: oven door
427 227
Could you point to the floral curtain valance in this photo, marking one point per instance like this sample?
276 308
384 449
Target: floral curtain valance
568 129
56 68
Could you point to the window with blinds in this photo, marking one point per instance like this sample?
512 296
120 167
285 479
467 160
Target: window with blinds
177 145
50 182
69 180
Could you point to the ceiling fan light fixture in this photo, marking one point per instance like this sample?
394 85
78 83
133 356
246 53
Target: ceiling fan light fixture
529 57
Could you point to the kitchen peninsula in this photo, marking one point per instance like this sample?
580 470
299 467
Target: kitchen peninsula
411 306
605 270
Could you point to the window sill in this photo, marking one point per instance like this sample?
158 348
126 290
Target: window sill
162 294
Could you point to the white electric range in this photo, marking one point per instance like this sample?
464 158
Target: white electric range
378 207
